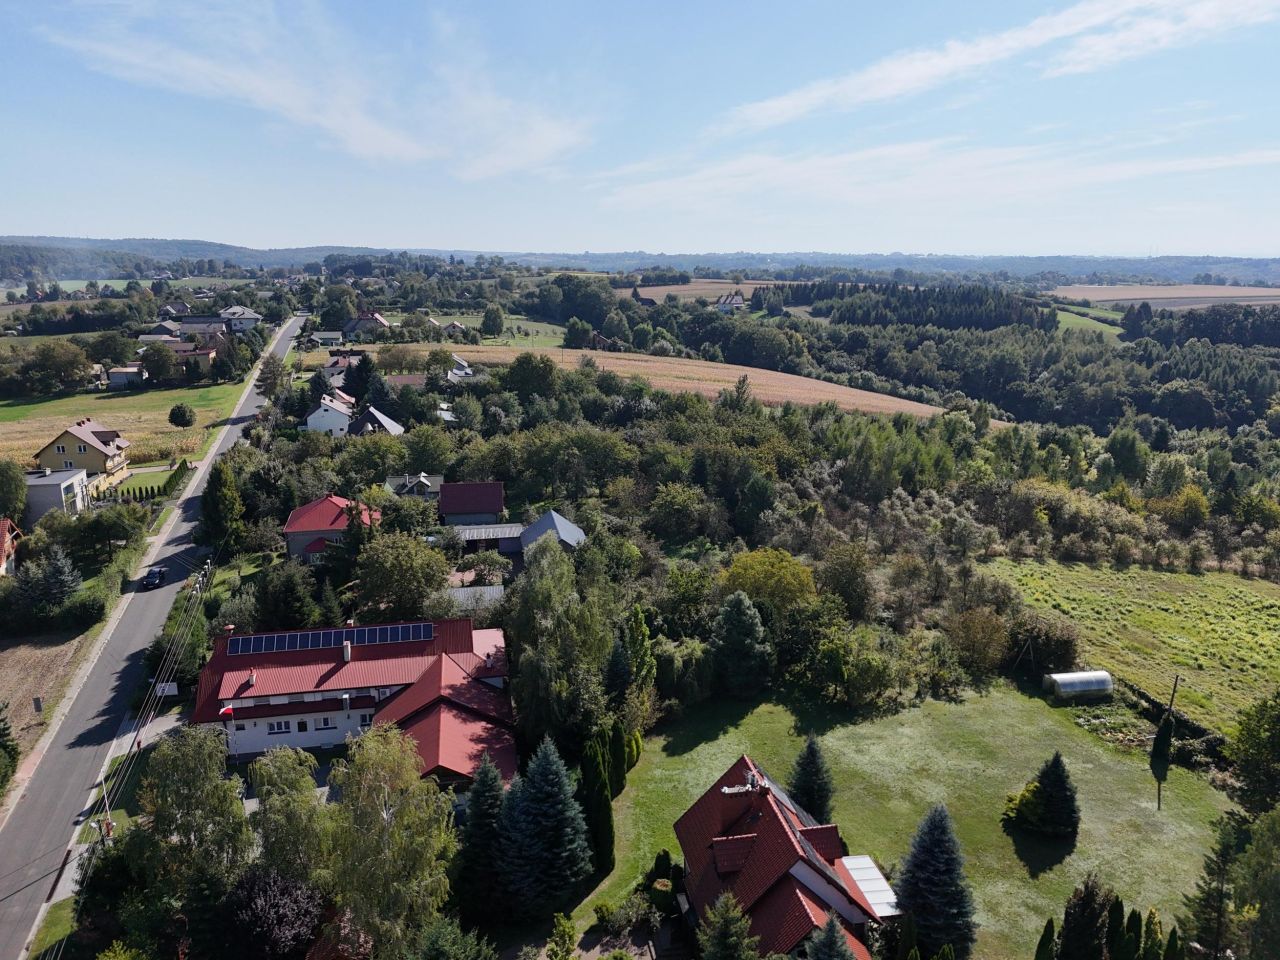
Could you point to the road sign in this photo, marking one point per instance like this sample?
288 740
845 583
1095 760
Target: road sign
166 689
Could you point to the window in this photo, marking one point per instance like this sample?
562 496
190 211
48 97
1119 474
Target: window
296 698
366 719
239 726
324 723
302 726
67 464
279 726
81 448
60 448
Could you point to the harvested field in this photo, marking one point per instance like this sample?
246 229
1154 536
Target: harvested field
1178 296
701 288
708 379
36 667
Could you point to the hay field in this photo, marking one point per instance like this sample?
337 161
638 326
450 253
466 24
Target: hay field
700 288
1179 296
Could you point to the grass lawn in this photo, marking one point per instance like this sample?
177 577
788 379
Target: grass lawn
1219 631
1073 321
152 478
143 418
58 923
124 794
970 755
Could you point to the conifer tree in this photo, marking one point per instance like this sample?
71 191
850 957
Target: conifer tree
725 932
1047 804
617 674
1083 935
221 509
544 836
932 888
1046 949
635 637
617 758
1173 949
810 785
1152 937
330 606
1116 930
829 943
596 805
479 880
563 938
8 746
1209 917
744 660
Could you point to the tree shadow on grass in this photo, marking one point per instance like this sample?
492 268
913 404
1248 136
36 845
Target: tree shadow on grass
704 723
1038 852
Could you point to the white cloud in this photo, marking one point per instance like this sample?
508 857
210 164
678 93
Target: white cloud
1096 34
300 67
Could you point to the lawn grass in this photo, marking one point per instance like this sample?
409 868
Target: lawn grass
124 794
1073 321
143 418
139 481
58 924
1220 632
969 755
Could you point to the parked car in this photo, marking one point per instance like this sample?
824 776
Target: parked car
154 578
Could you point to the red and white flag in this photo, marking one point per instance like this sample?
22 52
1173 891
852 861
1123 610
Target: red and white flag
226 712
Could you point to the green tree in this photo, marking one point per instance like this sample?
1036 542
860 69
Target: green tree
479 878
725 932
846 573
444 939
221 509
290 823
193 809
9 750
811 784
359 375
639 647
55 365
285 597
770 576
489 566
1208 918
617 758
530 375
273 376
744 659
1047 804
13 490
1257 886
493 321
577 334
398 575
1256 753
182 415
544 836
563 938
159 363
1152 937
392 839
597 806
932 888
829 942
1083 935
429 449
43 586
1173 948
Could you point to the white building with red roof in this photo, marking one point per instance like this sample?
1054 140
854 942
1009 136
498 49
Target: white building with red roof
788 872
442 682
313 527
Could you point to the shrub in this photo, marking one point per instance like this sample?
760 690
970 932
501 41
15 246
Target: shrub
83 610
1047 804
1041 644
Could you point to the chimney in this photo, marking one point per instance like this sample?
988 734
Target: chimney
346 651
253 677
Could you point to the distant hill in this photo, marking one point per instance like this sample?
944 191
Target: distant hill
77 257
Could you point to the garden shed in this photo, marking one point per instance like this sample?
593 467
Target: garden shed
1079 685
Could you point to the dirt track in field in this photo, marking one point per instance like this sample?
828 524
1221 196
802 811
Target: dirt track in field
708 379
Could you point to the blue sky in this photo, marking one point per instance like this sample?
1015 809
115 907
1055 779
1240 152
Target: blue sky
1099 126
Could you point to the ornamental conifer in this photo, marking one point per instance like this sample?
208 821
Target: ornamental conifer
933 890
811 785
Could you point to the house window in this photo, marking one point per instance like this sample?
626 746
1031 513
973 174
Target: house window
67 464
366 719
325 723
239 726
302 726
296 698
279 726
61 448
81 448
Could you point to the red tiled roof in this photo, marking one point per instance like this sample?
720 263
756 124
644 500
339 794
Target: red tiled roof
748 841
327 513
464 498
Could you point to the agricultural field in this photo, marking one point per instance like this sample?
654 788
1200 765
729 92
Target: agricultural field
143 418
1073 321
708 379
530 333
971 754
1220 632
700 288
1176 296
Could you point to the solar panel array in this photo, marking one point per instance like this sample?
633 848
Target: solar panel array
320 639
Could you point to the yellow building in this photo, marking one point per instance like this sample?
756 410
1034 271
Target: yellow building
89 446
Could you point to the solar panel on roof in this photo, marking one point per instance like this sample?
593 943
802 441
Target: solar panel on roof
321 639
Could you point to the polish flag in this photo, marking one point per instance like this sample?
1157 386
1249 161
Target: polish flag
225 712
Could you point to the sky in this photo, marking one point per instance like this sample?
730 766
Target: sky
1110 127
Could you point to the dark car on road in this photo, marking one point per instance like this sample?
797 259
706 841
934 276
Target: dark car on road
153 579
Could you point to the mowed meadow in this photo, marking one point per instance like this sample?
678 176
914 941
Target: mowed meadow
142 417
1218 631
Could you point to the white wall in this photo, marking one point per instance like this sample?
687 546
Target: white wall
255 739
328 420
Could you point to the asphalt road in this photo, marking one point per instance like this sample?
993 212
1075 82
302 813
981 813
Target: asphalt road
39 831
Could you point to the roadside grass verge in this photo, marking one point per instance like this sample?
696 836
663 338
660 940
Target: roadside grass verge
968 755
1219 631
123 792
58 924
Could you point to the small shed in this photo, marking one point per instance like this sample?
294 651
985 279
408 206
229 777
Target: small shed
1079 685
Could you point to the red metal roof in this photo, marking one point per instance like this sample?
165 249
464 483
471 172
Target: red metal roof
452 740
745 836
326 514
466 498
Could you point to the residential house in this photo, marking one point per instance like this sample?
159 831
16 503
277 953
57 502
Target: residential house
204 327
326 338
98 376
88 445
240 319
467 503
442 682
179 308
503 537
473 600
312 527
340 396
598 341
454 327
166 328
9 537
186 352
366 324
373 420
65 490
788 872
567 533
336 367
445 413
128 376
164 339
421 485
328 416
729 302
643 301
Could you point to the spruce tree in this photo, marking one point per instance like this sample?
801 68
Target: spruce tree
617 674
596 804
1046 949
563 938
1209 918
8 747
61 579
617 758
744 659
544 836
1058 798
932 888
829 943
811 785
356 380
479 880
1083 935
1173 949
725 933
